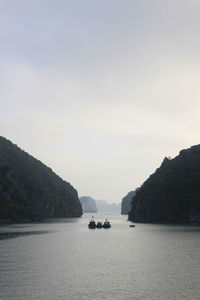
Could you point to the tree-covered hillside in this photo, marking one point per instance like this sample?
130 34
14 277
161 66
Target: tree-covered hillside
172 193
29 190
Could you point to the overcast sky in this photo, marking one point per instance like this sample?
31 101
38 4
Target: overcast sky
100 90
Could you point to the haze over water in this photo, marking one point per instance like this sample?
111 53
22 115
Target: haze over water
63 259
100 91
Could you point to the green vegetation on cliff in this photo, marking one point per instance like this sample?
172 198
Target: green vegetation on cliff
29 190
172 193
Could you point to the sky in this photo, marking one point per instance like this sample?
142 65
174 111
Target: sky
100 91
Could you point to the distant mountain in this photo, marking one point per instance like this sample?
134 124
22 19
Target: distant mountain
29 190
126 202
103 205
88 204
172 193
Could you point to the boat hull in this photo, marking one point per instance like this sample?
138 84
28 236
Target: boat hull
106 226
91 226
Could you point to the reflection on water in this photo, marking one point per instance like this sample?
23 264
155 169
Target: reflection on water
8 235
73 262
8 231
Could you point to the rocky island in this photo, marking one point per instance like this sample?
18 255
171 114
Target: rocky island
29 190
172 193
126 202
88 204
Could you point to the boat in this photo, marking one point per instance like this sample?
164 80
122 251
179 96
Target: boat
106 224
132 225
99 225
92 224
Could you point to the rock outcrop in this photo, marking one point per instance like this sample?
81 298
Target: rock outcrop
88 204
126 202
29 190
172 193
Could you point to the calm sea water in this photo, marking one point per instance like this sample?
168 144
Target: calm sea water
63 259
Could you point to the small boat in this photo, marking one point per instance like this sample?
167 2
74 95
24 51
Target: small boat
132 225
92 224
106 224
99 225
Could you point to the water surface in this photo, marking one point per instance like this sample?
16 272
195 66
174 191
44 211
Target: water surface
63 259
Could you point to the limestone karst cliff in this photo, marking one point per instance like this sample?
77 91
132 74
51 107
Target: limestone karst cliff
172 193
29 190
88 204
126 202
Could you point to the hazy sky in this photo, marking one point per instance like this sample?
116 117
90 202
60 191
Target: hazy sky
100 91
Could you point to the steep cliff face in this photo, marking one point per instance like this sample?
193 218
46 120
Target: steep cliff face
172 193
126 203
29 190
88 204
